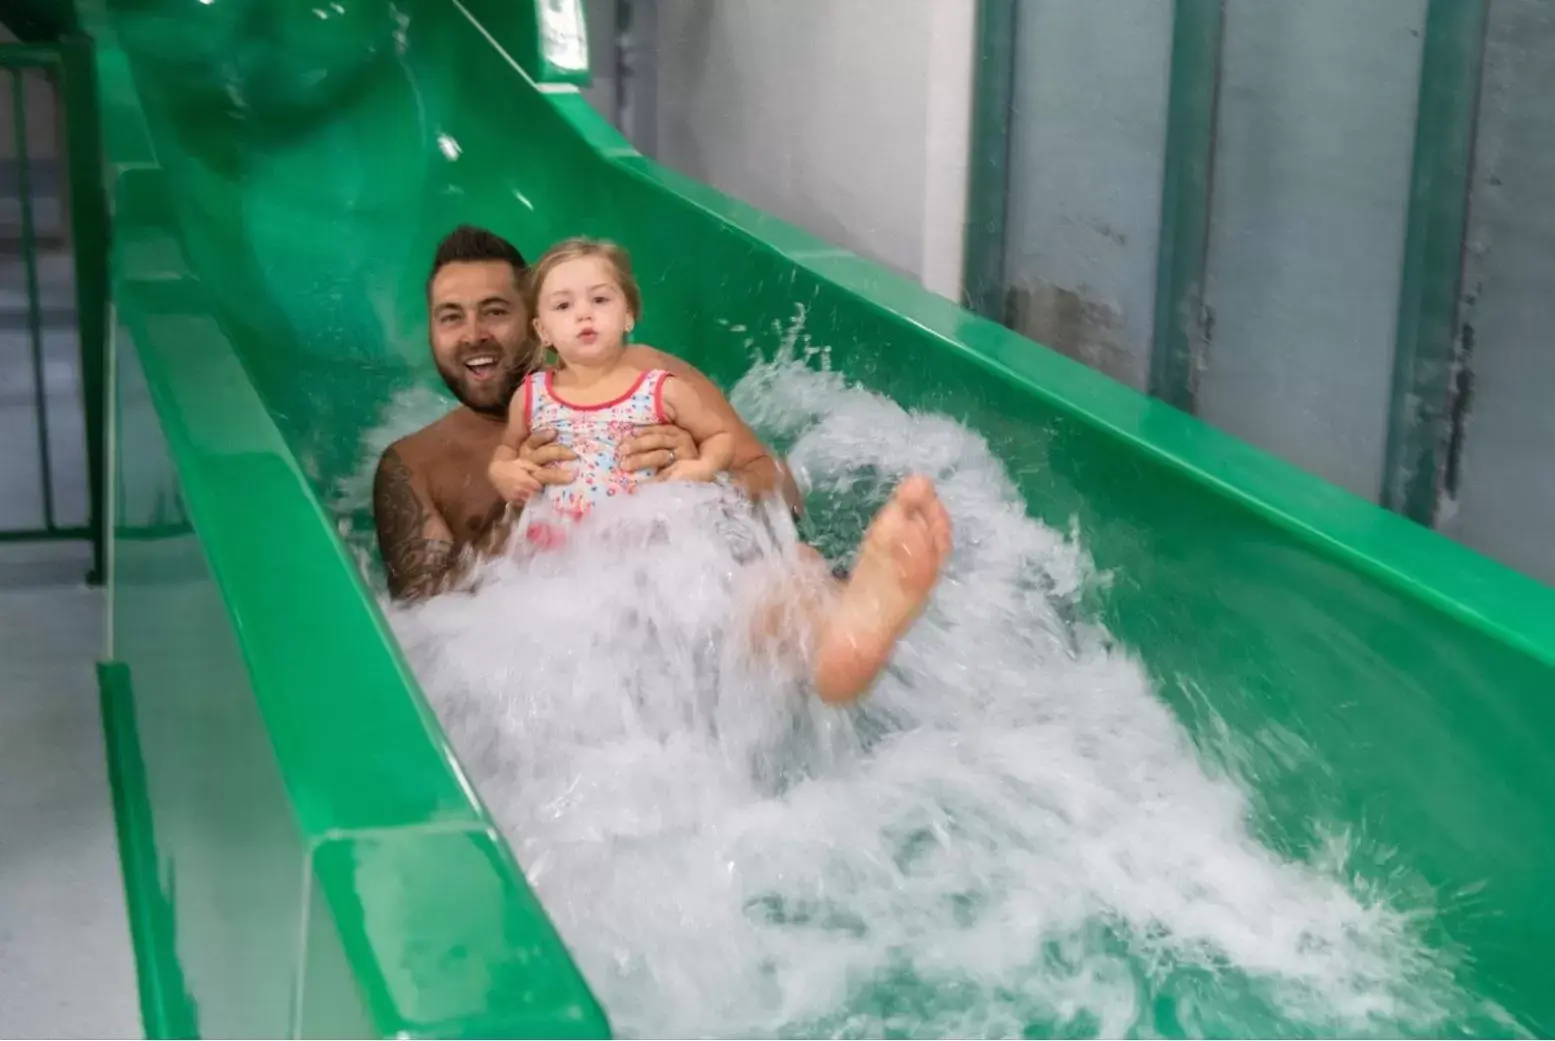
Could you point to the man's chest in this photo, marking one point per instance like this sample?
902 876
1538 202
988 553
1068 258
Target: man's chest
463 494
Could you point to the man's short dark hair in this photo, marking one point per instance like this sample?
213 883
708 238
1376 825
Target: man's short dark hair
469 244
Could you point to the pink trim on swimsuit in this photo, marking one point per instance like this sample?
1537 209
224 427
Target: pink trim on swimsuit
658 398
550 388
594 433
529 405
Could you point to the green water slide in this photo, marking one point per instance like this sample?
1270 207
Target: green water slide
303 855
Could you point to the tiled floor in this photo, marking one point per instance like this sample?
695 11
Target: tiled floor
65 964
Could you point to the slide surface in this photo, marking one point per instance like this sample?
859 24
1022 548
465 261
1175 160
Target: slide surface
303 852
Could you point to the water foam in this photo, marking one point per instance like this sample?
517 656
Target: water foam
1012 834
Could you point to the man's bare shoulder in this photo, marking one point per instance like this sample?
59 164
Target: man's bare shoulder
400 471
418 449
644 356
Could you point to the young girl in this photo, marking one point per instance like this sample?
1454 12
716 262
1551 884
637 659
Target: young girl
584 301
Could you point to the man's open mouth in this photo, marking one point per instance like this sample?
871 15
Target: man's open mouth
481 366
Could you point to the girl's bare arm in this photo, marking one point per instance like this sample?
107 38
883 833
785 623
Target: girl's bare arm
753 466
686 408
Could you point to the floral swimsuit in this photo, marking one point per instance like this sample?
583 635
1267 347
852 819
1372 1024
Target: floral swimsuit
594 433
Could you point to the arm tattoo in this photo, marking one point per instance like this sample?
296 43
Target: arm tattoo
416 566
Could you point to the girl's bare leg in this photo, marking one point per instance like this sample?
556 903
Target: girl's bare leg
852 627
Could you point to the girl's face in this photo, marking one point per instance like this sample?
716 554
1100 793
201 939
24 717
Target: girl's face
583 312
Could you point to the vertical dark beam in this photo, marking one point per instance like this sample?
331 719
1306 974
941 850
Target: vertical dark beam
988 182
620 61
89 242
637 24
1187 181
1424 360
40 402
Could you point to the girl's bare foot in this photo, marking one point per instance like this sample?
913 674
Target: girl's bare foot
899 562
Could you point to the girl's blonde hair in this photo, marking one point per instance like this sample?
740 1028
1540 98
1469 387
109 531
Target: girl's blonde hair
577 248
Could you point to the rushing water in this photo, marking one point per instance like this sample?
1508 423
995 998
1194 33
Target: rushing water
1013 835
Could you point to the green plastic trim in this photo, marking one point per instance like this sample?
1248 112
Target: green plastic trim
357 746
988 175
166 1008
373 786
342 778
1425 354
1187 183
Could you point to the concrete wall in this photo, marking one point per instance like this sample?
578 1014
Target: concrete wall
1087 143
850 119
1501 499
600 19
1315 142
1310 193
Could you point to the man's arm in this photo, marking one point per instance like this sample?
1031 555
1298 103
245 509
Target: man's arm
753 465
416 544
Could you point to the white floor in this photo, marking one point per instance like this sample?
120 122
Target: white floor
66 968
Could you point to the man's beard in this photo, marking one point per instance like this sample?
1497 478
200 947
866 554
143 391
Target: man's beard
498 392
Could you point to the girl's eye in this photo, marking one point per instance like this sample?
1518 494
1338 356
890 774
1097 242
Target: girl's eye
601 299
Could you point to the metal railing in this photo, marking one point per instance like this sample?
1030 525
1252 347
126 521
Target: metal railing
84 226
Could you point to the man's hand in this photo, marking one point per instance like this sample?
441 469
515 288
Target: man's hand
659 448
539 450
516 480
519 477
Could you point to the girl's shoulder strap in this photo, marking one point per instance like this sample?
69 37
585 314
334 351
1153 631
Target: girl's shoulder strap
654 382
532 390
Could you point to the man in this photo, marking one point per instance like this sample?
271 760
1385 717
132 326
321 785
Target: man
435 509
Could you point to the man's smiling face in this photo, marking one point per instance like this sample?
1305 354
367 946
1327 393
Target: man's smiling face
479 330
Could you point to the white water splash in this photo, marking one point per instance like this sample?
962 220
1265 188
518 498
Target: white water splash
1012 833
